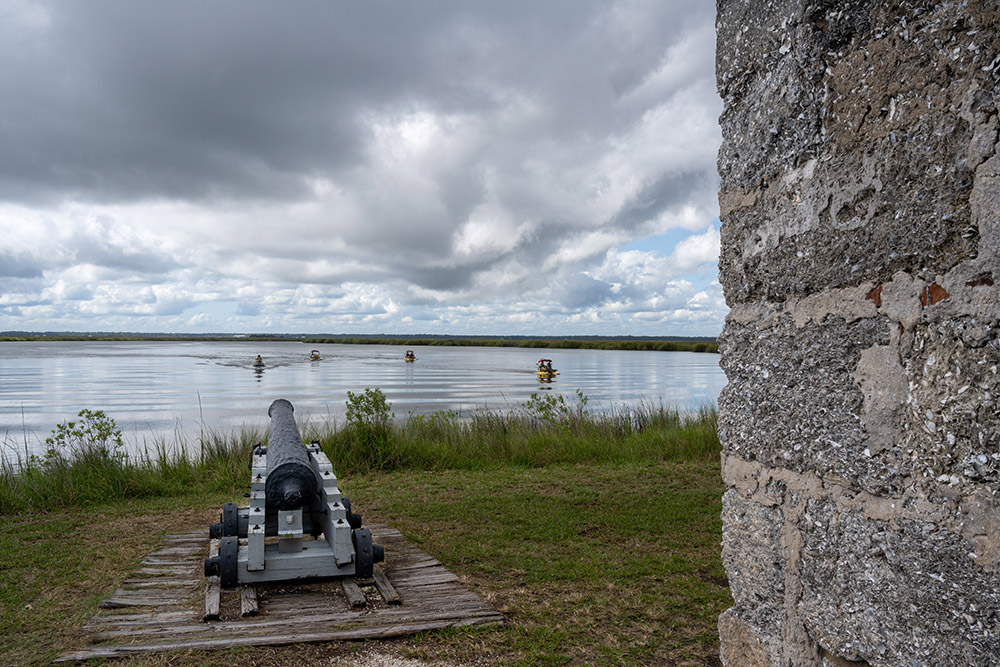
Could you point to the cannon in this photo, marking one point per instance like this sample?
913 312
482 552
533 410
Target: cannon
293 493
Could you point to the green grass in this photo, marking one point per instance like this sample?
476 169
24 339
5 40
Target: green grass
58 565
613 561
597 536
97 476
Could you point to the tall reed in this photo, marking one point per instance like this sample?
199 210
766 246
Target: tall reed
543 431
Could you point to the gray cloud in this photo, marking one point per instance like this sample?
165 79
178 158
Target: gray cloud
100 252
578 291
19 266
667 194
446 157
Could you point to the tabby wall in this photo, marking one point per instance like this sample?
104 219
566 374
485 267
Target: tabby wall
860 203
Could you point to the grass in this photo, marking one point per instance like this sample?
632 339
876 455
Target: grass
98 475
546 430
596 536
609 564
58 565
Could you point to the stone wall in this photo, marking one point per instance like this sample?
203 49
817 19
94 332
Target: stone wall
860 205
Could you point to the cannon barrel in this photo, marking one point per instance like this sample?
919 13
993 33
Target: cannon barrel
291 481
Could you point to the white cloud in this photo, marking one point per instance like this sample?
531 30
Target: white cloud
695 251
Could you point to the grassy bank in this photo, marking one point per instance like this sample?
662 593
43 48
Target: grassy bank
560 344
86 462
596 535
583 342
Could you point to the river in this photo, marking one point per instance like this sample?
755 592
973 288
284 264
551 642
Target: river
170 392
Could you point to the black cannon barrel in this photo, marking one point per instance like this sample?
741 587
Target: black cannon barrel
291 481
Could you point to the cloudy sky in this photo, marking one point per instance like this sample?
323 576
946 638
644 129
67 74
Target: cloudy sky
333 167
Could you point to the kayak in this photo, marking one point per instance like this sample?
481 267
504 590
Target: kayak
314 356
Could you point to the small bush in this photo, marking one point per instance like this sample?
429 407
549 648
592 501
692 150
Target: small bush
369 411
553 409
369 424
94 437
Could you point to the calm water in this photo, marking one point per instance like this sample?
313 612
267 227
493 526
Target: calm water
169 391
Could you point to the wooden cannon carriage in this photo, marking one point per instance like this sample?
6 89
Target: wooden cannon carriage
293 493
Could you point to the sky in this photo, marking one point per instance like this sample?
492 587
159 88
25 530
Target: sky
438 167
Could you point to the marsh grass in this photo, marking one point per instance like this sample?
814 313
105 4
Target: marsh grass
651 345
618 343
543 431
90 475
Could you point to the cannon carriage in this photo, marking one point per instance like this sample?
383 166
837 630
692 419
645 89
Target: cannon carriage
293 494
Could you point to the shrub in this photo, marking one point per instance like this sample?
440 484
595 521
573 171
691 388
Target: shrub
369 422
554 410
94 437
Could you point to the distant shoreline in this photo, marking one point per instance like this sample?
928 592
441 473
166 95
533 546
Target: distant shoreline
647 343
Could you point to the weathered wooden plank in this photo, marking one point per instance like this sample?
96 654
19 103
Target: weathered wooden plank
248 601
148 618
213 599
162 582
169 561
121 603
185 549
331 634
164 571
213 587
424 578
410 566
354 594
256 627
449 600
435 595
385 587
152 595
200 536
300 604
295 623
353 626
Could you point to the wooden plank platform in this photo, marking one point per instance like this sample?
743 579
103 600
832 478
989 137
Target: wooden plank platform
161 606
